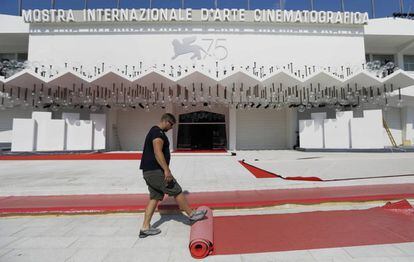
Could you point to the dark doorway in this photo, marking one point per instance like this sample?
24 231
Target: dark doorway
202 130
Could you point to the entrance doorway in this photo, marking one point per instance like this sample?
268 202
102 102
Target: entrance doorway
202 130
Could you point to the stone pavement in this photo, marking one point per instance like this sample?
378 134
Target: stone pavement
114 237
201 173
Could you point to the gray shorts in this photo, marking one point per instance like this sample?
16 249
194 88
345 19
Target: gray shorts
157 186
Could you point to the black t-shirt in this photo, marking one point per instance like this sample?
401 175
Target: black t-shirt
148 160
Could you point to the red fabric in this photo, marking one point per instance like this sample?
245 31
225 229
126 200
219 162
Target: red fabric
201 235
229 199
258 172
261 173
403 204
311 230
80 156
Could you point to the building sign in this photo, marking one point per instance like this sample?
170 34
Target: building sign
187 15
215 48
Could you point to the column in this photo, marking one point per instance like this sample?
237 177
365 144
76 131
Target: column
407 118
232 128
292 127
170 134
112 143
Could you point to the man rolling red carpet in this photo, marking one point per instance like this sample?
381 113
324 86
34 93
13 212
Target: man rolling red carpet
157 174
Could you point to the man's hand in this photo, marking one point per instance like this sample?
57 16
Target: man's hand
168 176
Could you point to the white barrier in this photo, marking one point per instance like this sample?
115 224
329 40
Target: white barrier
367 132
51 135
344 132
41 133
99 131
311 133
79 135
23 135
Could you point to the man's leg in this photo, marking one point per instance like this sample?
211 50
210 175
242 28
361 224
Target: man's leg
183 204
149 212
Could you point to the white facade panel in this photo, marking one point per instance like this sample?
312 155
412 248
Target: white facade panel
393 118
261 129
336 134
311 133
133 126
23 135
99 131
41 116
79 135
280 45
50 135
6 122
409 124
367 132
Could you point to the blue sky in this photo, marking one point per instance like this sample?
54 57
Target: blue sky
383 7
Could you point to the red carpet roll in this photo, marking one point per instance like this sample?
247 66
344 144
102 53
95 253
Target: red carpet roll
201 236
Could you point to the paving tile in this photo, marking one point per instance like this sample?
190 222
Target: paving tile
43 242
92 231
407 248
38 254
89 255
329 253
374 251
104 242
137 254
7 242
4 251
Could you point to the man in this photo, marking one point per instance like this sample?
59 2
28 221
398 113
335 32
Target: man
157 174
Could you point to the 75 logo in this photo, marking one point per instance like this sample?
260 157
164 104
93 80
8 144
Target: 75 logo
216 48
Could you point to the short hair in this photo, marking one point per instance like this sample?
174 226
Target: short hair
168 117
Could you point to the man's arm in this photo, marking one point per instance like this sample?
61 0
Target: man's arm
159 155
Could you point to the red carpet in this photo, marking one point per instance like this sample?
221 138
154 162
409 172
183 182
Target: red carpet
261 173
75 156
229 199
311 230
257 172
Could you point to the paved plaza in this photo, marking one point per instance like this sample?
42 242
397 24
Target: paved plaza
201 173
114 236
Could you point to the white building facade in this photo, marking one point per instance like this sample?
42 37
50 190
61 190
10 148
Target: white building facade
235 79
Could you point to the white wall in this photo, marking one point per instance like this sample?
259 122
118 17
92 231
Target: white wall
261 129
50 135
99 131
23 135
408 124
121 44
79 135
6 122
292 127
134 125
367 131
311 131
393 118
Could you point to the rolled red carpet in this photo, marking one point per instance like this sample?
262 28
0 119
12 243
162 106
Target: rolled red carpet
201 236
